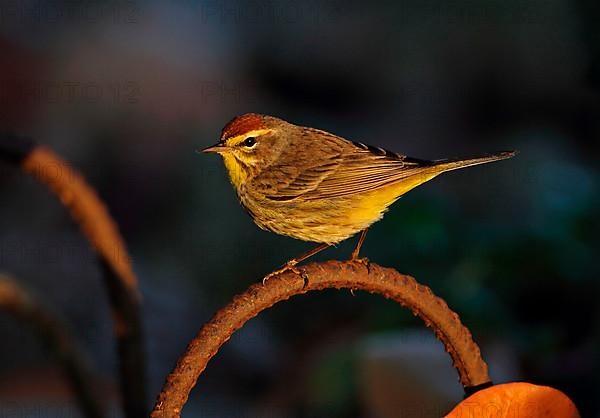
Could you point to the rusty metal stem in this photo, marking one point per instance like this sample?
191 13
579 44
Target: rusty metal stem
446 325
16 301
90 213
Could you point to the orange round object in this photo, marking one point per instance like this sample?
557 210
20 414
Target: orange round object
516 400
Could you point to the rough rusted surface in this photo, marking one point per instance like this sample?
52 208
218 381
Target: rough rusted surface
86 208
90 213
403 289
15 301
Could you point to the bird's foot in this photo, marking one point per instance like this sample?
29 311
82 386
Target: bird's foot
362 260
289 266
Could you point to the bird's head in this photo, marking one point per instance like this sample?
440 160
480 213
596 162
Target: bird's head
249 143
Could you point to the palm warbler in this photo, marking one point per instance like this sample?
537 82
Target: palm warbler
314 186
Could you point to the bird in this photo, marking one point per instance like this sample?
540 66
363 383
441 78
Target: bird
312 185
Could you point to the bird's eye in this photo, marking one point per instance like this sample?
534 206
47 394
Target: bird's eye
250 142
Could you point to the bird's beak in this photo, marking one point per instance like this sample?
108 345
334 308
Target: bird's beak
218 148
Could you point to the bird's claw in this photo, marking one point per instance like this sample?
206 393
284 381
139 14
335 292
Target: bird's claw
304 278
364 261
287 267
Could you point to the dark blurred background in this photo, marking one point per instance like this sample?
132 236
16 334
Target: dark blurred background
126 91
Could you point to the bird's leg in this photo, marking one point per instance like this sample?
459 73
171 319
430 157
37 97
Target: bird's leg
359 244
291 265
356 252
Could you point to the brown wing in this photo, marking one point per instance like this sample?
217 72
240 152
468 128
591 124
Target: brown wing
300 169
332 167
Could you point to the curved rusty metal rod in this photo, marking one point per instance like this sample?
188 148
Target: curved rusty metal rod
89 212
86 209
446 325
14 300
